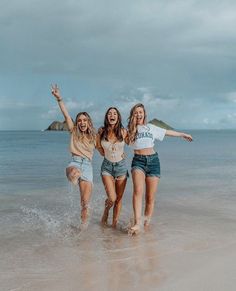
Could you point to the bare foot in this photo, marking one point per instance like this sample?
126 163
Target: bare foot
114 224
105 217
134 229
83 226
84 215
84 219
147 220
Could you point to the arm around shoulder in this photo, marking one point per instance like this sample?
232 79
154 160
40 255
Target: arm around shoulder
124 133
98 142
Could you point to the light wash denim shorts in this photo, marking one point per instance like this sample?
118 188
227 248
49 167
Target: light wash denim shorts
114 169
84 165
148 164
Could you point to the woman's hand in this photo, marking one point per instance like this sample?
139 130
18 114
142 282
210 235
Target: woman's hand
187 137
56 92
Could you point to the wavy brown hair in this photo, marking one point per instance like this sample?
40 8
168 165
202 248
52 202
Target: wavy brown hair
132 126
117 128
90 133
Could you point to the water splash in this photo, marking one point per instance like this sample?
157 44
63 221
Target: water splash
38 218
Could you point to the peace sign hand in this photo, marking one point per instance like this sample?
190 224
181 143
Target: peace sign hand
56 92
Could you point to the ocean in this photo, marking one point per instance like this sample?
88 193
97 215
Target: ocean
191 243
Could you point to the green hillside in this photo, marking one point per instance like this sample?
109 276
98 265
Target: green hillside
160 123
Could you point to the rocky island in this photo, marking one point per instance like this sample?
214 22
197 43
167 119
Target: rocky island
57 125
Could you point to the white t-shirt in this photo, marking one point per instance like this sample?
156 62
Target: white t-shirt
146 135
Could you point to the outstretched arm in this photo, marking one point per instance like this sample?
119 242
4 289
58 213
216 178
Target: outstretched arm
57 95
174 133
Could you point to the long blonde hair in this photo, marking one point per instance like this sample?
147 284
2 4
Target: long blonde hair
89 134
132 126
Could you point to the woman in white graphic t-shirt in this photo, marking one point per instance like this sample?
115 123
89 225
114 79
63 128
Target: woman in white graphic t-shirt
145 164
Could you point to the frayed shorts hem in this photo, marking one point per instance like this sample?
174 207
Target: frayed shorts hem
126 175
147 175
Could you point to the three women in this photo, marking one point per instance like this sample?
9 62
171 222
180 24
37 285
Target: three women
110 142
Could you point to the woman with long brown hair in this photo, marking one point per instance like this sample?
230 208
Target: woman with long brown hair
145 164
110 143
82 144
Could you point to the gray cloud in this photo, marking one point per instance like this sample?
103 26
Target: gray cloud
73 36
181 52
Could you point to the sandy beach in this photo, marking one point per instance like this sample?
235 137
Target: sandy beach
188 247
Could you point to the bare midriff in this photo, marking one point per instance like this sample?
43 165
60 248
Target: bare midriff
145 152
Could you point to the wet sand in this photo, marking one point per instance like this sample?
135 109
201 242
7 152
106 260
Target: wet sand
189 246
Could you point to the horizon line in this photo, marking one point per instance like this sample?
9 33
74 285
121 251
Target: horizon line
177 129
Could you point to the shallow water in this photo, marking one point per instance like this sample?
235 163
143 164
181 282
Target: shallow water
190 245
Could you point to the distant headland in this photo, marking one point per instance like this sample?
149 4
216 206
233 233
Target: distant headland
160 123
58 125
62 126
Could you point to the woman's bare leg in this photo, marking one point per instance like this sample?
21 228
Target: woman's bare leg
109 184
151 189
120 184
138 188
85 194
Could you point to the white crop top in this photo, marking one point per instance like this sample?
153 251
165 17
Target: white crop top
146 135
114 152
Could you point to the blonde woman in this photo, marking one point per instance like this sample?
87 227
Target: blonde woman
82 144
114 173
145 164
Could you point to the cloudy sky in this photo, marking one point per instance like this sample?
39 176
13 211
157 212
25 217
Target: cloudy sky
177 57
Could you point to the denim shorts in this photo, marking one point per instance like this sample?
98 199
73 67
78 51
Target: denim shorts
84 165
114 169
149 165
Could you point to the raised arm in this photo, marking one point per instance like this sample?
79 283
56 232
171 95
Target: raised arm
57 95
174 133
